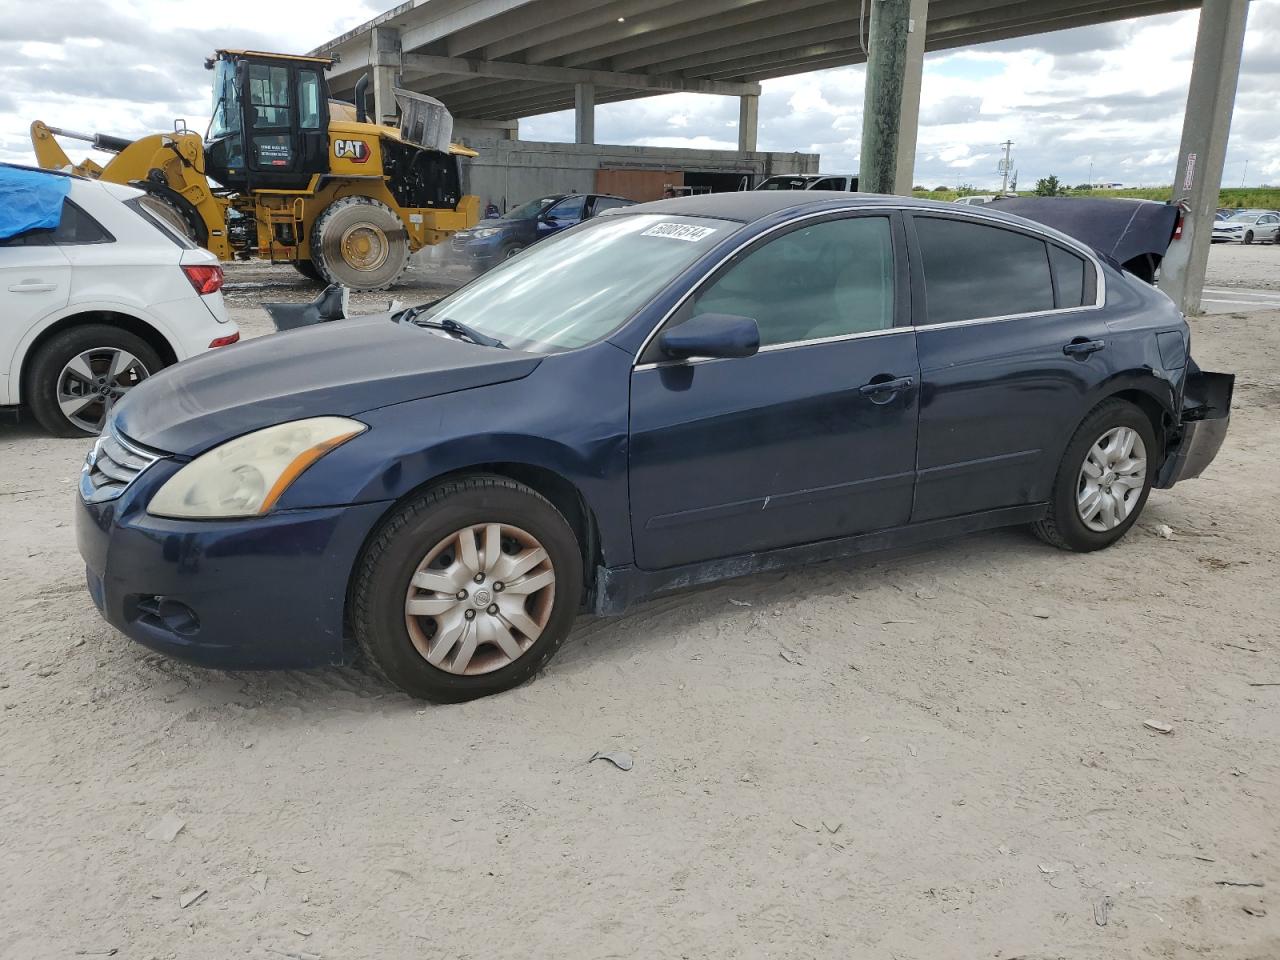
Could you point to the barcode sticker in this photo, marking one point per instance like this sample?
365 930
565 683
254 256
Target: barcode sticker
679 231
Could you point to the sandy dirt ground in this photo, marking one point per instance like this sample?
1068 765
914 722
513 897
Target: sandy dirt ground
932 755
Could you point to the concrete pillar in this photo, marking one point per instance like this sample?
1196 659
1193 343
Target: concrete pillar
882 104
909 112
1205 127
384 59
748 122
584 112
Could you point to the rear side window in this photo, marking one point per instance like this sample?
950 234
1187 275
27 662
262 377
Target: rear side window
830 183
610 203
1069 275
75 227
973 271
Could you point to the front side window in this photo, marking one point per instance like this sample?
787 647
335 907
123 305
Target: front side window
269 95
830 183
830 279
579 286
567 211
972 270
533 209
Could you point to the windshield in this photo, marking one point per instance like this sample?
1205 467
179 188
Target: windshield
531 209
226 115
581 285
1246 218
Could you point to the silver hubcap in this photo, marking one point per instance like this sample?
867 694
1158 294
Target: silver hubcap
480 598
91 383
1112 478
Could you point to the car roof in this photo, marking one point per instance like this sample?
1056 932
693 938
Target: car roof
747 206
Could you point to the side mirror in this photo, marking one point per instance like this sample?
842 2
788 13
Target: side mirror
711 335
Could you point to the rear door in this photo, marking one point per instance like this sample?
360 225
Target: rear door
35 281
1011 342
811 438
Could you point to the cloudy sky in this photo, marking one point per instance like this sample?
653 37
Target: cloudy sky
1107 98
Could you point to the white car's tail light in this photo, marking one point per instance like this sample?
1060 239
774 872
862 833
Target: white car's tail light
204 277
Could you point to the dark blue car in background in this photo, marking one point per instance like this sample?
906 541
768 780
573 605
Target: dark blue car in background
492 241
667 395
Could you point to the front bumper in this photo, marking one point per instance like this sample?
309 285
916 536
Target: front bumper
1205 419
268 592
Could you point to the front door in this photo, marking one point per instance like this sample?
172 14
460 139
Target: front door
814 436
1011 347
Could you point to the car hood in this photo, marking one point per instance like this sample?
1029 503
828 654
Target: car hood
341 368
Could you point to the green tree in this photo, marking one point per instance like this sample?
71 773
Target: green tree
1049 187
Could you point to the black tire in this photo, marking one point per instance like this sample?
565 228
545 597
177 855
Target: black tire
1248 236
1062 527
382 223
381 581
511 251
52 357
308 269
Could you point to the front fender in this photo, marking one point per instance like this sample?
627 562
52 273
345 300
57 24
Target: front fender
569 418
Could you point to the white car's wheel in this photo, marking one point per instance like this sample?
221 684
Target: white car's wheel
81 373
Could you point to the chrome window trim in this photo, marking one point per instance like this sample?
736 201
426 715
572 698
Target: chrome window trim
773 347
971 214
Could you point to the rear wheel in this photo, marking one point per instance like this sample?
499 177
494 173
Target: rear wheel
308 269
1103 480
81 373
360 243
467 590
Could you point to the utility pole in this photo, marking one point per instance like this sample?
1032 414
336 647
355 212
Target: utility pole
882 102
1005 166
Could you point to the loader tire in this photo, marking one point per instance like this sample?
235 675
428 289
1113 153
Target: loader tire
360 243
308 269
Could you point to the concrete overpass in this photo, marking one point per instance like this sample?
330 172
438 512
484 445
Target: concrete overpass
495 61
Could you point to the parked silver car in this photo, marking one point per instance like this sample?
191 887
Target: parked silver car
1248 226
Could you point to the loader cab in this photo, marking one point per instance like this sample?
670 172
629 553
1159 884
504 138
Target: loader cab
270 124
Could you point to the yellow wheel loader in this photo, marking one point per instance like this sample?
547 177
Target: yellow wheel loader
291 176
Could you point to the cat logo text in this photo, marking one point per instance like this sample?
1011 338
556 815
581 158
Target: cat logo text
357 151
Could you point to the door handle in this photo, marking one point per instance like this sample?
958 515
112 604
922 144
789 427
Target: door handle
32 286
878 388
1080 347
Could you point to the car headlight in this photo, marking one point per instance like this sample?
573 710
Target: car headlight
483 232
245 477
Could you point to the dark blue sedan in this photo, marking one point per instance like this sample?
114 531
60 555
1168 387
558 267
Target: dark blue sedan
667 395
492 241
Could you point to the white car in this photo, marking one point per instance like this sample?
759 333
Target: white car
975 200
1248 226
810 181
93 307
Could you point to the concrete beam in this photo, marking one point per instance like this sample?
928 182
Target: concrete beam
1215 72
384 54
748 123
584 113
909 110
544 74
578 28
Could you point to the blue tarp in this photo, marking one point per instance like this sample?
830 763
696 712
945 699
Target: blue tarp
30 200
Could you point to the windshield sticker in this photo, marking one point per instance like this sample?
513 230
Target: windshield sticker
679 231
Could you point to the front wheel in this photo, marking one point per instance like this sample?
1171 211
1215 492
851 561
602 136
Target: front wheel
1103 480
1248 237
467 590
